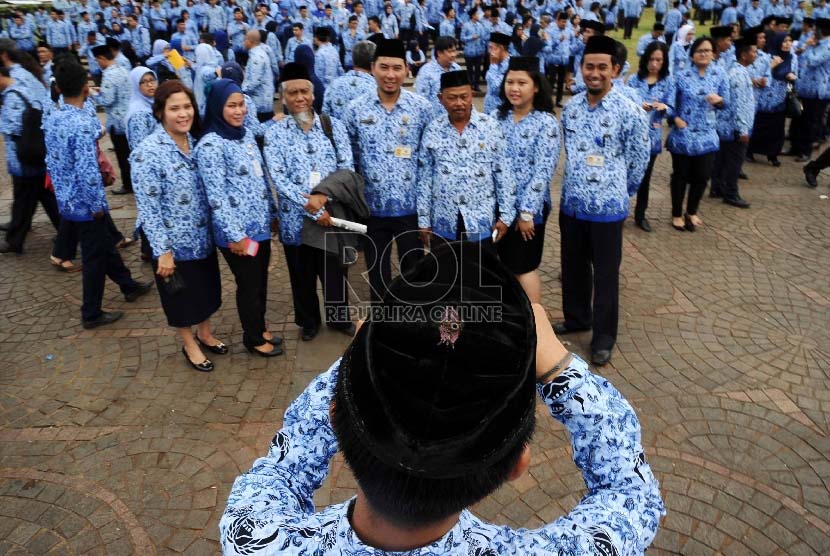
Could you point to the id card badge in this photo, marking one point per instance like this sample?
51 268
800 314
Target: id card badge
595 160
314 178
258 168
402 151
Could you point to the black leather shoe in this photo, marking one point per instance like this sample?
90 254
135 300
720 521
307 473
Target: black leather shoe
810 177
601 357
274 341
205 366
644 224
5 247
308 333
4 227
715 194
774 161
348 330
689 225
750 157
122 191
140 289
560 329
218 349
273 353
103 319
736 202
743 176
802 158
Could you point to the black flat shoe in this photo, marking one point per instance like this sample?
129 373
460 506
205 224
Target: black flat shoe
688 223
560 329
205 366
750 157
743 176
348 330
601 357
218 349
101 320
274 341
736 202
644 224
715 194
309 333
273 353
811 178
774 161
140 289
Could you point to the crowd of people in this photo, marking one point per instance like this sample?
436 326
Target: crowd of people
225 171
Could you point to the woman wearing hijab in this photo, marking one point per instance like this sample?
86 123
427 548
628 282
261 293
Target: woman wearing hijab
242 208
175 216
140 119
768 132
679 51
234 72
203 73
305 56
159 63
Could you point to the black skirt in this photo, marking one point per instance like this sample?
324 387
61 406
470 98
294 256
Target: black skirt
201 296
768 133
522 256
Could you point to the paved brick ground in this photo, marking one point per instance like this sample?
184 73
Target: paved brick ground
109 444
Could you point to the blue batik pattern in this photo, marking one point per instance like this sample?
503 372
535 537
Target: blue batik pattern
344 90
467 173
327 64
814 81
271 511
170 198
658 92
689 103
240 200
375 135
139 126
11 124
607 151
678 58
494 77
758 69
259 79
428 84
772 98
737 117
115 98
71 136
291 156
532 147
474 47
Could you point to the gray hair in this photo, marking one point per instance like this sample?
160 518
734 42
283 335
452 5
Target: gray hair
284 83
362 54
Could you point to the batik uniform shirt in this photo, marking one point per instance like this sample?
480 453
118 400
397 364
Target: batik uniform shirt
140 39
772 97
658 92
557 49
292 45
389 26
270 509
236 34
71 136
348 45
678 58
737 117
59 34
646 40
115 98
607 150
240 200
494 77
814 81
327 64
252 123
428 84
673 20
467 173
344 90
216 18
297 162
259 79
474 47
11 124
532 148
689 103
447 28
386 147
170 198
23 35
38 95
758 69
140 125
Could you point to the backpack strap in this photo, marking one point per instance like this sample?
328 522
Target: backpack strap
325 123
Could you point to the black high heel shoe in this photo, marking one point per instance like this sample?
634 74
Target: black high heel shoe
218 349
688 223
205 366
273 353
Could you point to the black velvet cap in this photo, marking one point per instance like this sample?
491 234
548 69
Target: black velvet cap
600 44
784 21
809 21
769 19
101 50
591 24
721 31
752 32
376 38
112 42
390 48
454 79
743 43
500 38
523 63
823 23
292 71
441 409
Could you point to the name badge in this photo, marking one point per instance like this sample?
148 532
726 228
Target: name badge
258 169
314 178
403 152
596 160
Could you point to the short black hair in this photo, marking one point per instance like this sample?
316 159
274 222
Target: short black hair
443 43
70 77
642 70
374 18
696 44
297 25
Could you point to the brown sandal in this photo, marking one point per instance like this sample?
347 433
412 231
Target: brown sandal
64 266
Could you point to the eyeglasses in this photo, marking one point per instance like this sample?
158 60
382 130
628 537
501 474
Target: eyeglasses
704 51
146 81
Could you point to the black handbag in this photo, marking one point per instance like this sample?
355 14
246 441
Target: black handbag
174 283
792 104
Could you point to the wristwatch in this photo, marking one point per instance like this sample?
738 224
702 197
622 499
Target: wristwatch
526 216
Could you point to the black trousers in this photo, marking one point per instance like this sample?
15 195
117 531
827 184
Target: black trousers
27 193
591 257
630 24
820 163
809 126
306 265
122 153
474 71
66 242
101 260
669 37
694 171
727 166
556 78
251 276
642 193
403 230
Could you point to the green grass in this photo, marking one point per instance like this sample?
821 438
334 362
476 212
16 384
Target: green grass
646 23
